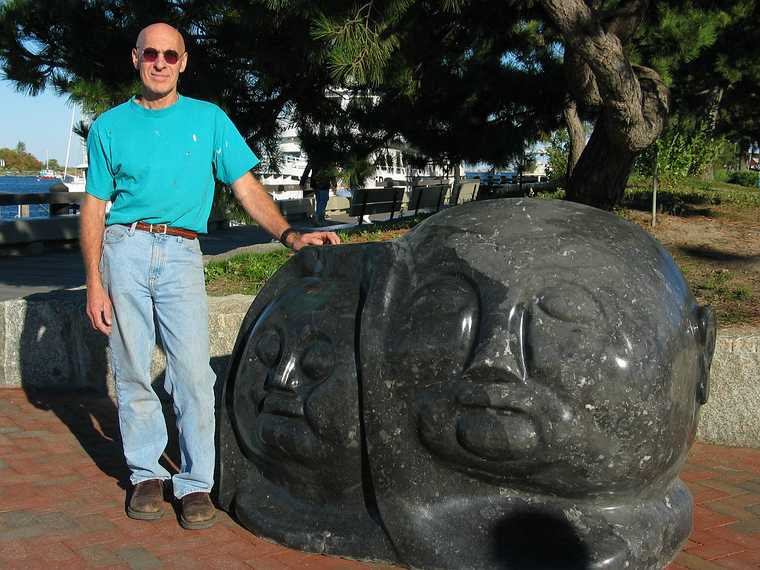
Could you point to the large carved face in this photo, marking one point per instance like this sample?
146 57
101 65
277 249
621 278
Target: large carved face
295 392
551 347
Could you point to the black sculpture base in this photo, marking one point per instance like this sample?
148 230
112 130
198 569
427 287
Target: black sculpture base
269 511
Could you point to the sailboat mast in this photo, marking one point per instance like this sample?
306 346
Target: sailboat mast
68 146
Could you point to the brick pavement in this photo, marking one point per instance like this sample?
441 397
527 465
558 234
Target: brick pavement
62 483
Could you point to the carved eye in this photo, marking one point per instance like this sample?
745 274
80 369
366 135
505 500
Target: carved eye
570 303
318 360
269 348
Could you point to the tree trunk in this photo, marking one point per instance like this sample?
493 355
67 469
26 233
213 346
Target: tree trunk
717 96
577 139
633 99
600 176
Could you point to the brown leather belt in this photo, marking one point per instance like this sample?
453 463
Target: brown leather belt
164 229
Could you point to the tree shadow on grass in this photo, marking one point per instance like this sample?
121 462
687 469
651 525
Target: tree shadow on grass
684 204
712 254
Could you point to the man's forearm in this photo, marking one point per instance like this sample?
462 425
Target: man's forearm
91 224
259 205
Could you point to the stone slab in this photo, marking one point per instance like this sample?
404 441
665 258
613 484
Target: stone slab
730 416
47 342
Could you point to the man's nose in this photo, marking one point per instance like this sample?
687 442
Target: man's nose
284 376
501 357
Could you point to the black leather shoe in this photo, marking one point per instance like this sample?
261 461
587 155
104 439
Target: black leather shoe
147 501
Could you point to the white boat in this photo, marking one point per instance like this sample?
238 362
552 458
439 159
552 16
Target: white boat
47 174
75 183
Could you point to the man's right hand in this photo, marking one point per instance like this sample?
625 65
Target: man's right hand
99 308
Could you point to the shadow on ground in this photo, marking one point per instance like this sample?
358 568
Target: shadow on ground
63 365
709 253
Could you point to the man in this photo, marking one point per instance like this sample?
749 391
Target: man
155 157
322 180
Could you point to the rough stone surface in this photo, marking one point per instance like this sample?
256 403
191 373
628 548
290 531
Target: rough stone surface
731 415
520 371
46 342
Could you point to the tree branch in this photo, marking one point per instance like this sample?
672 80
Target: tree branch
635 111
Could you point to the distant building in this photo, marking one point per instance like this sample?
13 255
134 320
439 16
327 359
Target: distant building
2 163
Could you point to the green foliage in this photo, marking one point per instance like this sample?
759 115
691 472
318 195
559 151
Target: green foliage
359 50
683 150
686 196
557 151
18 160
744 178
252 270
356 170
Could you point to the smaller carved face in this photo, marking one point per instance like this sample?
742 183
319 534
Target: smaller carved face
296 401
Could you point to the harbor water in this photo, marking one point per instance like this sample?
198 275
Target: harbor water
24 185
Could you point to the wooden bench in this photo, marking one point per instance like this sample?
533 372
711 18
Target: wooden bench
428 197
376 201
464 192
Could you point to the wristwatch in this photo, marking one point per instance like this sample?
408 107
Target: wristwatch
284 236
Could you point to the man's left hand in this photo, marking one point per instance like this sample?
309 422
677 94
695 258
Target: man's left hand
315 238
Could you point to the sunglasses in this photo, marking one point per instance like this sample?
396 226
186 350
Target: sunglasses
150 55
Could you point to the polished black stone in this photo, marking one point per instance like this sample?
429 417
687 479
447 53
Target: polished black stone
514 384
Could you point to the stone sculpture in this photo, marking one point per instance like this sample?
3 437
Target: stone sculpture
510 375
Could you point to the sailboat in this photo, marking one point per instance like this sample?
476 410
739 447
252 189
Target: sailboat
73 182
46 173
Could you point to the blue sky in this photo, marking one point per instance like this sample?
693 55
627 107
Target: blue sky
42 122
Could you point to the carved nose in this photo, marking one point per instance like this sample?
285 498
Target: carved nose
501 358
284 376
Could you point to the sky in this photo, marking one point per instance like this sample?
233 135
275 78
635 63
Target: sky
42 122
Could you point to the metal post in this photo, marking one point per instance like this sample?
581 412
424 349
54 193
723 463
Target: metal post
654 190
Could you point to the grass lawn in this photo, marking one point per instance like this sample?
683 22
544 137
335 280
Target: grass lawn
712 229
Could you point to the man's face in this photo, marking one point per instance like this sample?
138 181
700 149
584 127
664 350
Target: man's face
159 78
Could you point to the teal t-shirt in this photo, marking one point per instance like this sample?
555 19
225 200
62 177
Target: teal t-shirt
159 166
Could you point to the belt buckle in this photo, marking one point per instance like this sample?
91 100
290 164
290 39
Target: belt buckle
166 227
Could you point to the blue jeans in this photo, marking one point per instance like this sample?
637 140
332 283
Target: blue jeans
322 197
157 276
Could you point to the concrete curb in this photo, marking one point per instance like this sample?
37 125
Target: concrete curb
46 342
731 416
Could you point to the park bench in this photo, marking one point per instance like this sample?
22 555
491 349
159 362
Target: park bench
428 198
376 201
464 192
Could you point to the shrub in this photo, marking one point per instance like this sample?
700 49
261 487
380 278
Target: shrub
744 178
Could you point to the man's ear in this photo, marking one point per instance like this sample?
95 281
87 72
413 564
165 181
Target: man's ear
135 58
183 63
708 329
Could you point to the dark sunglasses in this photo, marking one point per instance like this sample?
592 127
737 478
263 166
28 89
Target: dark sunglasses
149 55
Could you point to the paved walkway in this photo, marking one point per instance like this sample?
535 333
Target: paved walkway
55 269
62 482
